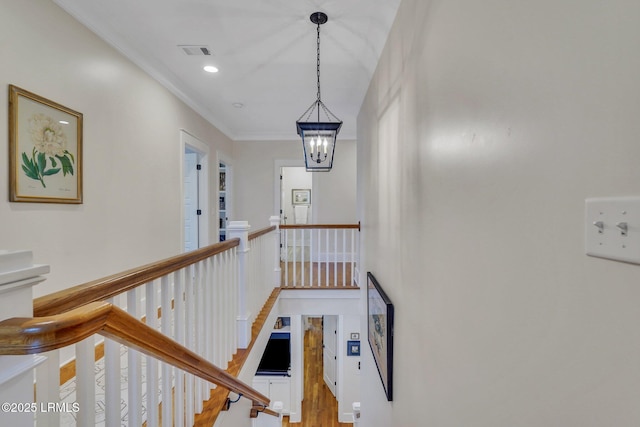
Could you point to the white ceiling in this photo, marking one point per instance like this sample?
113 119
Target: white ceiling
265 50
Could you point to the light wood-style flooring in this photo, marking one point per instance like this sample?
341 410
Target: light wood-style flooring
319 407
336 277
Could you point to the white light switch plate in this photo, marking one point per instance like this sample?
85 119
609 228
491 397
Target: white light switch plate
607 239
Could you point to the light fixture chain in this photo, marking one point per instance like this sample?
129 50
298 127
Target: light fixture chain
318 62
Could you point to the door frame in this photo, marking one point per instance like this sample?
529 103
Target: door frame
277 191
195 144
223 158
277 188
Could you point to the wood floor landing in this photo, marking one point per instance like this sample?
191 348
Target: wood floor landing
336 278
319 407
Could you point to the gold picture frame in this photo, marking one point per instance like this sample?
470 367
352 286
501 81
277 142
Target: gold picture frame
45 150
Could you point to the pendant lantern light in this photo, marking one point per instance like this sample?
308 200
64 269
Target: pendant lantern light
318 136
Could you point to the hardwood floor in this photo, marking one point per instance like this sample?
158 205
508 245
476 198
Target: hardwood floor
319 407
318 277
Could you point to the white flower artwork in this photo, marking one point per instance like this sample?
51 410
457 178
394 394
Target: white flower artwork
45 150
49 155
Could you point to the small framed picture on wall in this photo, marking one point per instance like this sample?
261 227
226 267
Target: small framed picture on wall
301 196
353 348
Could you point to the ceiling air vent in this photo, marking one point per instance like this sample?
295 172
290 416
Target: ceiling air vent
195 50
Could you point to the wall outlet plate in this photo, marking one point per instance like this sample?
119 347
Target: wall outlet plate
612 228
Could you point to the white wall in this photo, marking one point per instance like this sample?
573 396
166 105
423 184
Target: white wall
132 153
485 127
334 193
348 367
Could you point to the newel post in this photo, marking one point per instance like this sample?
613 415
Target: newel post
277 272
18 275
240 229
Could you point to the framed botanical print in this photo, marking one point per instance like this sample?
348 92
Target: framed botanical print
45 150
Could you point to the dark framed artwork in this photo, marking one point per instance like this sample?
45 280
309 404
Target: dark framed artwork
45 150
353 348
380 331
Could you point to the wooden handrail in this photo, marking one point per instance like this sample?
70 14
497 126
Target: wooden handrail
262 232
19 336
320 226
107 287
257 410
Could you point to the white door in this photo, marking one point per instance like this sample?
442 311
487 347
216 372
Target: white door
191 225
329 356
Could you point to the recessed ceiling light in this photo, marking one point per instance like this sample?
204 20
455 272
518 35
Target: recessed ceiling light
211 69
238 104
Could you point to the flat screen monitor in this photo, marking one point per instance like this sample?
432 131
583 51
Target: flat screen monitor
276 359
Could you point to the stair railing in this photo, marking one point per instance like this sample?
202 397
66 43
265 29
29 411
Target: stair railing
193 300
319 255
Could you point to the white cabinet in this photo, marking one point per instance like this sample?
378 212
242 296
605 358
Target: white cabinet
277 389
261 384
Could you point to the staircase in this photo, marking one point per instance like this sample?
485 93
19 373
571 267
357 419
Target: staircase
185 316
177 330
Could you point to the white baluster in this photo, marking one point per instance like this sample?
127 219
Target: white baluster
221 336
256 254
251 276
233 266
167 370
344 257
319 234
335 257
134 385
286 257
113 416
48 388
327 259
208 316
277 271
86 381
179 333
190 339
302 276
295 252
311 257
353 256
199 338
226 304
211 301
152 364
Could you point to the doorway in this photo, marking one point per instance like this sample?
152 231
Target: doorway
295 184
194 192
319 406
191 181
224 197
329 355
296 206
